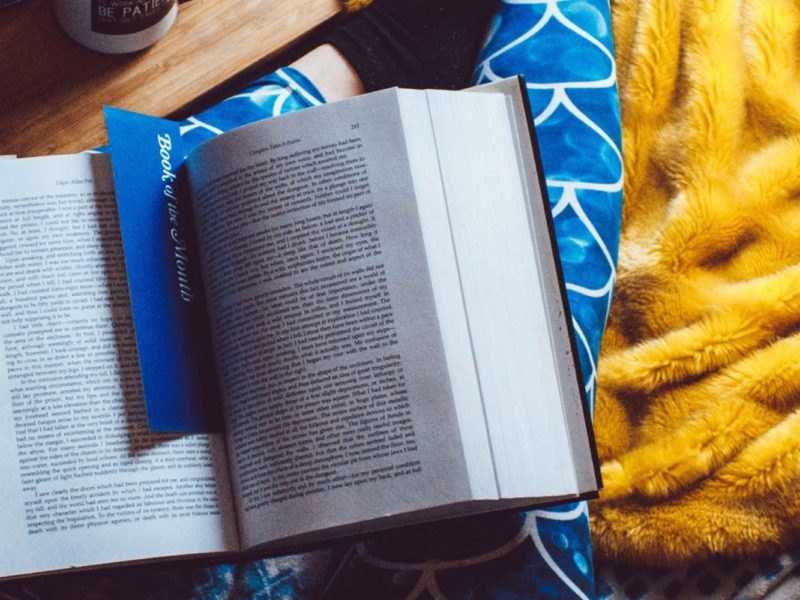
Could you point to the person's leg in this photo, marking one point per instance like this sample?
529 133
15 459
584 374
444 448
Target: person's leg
415 43
331 72
565 52
408 43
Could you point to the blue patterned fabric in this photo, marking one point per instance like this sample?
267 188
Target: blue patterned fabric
564 50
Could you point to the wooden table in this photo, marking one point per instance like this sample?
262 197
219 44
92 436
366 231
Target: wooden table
52 90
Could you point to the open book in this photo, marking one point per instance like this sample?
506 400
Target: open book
391 341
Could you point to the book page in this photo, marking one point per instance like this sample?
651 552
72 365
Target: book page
562 337
83 480
331 359
505 306
446 282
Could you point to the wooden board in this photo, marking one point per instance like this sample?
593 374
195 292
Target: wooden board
52 90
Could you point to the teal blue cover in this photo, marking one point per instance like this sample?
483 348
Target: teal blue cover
162 262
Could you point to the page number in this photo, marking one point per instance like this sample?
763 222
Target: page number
355 125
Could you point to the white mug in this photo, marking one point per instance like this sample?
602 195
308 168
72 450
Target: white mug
116 26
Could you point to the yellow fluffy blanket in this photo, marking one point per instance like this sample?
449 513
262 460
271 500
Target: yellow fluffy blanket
697 415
